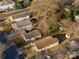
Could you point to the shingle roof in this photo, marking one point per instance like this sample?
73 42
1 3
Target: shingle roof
23 23
19 15
45 42
6 5
33 33
3 23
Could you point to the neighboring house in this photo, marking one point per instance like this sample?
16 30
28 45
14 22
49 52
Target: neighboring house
33 35
73 45
18 17
73 48
3 26
21 21
46 43
23 49
6 5
23 25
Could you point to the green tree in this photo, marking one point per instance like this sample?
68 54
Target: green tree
54 28
19 42
70 12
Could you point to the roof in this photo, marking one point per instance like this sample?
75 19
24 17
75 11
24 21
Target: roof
33 33
45 42
18 12
19 15
23 23
6 5
2 23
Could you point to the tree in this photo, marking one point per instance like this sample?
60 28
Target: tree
54 28
70 12
19 42
22 3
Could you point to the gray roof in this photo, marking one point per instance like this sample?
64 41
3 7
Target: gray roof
6 5
33 33
23 23
19 15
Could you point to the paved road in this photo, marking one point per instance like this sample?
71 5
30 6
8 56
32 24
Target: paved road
3 16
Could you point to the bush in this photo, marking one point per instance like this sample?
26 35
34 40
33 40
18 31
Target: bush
54 27
70 12
19 42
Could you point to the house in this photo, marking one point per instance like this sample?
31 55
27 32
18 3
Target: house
21 21
23 49
6 5
19 17
5 26
73 45
46 43
33 35
25 24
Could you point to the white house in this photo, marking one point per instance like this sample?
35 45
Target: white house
6 5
